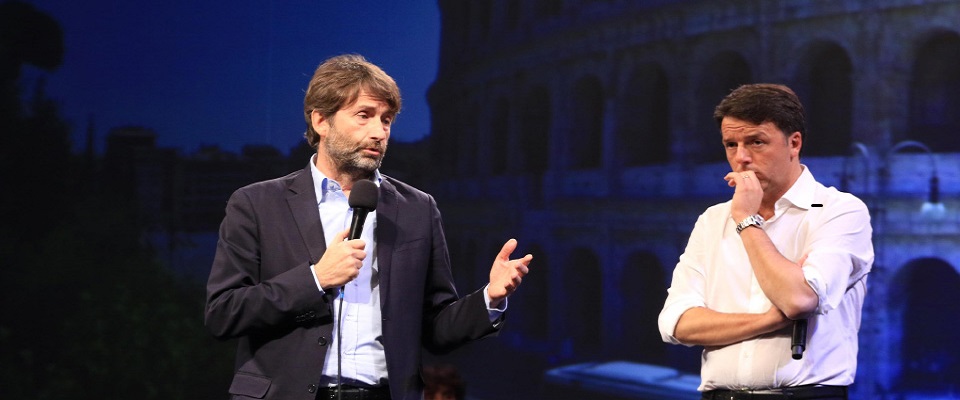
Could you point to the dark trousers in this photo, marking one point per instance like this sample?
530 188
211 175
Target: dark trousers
818 392
349 392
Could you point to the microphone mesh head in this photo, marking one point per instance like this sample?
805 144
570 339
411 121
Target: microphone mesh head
364 194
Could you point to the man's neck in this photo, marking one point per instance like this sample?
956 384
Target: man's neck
345 178
769 203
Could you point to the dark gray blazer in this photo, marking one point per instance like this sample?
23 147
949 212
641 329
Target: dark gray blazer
261 290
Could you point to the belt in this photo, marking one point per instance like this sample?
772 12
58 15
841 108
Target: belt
350 392
786 393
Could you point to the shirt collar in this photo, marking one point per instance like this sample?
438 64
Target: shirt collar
323 185
800 195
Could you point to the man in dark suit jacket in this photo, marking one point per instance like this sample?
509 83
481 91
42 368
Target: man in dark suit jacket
275 281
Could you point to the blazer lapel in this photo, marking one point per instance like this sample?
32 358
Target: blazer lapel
302 199
386 237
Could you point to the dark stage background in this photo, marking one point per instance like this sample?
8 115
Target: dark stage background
580 127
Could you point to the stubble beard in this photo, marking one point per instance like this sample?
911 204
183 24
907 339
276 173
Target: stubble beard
348 157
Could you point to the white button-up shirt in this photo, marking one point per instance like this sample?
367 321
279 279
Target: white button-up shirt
833 229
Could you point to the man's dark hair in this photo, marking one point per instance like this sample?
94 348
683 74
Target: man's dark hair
764 102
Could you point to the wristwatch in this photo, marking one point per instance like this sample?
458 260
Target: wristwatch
755 219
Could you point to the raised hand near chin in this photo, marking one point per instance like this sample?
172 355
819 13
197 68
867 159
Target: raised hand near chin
506 274
747 194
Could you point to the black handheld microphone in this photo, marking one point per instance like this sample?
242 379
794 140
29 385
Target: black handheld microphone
798 343
363 199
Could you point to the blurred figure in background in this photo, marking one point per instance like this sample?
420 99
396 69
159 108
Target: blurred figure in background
443 382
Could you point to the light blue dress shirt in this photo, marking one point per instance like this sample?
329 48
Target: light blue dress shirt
363 359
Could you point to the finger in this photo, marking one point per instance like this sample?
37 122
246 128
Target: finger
523 269
507 249
748 178
358 244
523 264
341 236
732 179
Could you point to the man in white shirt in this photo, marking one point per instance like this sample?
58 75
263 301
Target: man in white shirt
783 249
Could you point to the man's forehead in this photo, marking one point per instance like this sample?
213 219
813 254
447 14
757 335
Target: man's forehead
365 99
744 128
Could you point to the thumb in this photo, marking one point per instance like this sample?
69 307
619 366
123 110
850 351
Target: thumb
507 249
341 236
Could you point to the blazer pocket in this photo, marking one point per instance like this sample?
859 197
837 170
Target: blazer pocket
410 245
250 385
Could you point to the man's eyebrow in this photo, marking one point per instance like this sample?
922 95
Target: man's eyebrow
369 108
747 136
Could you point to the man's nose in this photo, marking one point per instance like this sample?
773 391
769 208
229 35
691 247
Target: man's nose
742 155
378 130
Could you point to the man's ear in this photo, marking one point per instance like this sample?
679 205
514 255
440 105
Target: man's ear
319 123
796 143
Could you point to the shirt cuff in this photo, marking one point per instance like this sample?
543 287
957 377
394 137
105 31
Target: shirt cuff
313 273
494 313
814 279
670 316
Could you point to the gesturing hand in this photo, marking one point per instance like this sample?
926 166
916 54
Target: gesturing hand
506 274
341 262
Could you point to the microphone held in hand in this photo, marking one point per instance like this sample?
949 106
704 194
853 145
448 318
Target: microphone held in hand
363 199
798 343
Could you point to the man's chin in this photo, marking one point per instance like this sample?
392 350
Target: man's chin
364 166
370 164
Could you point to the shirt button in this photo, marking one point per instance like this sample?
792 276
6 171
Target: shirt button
322 341
312 388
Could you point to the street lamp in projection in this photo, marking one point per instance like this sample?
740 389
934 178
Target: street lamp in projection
932 208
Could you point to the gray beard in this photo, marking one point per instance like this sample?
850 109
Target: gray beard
349 159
